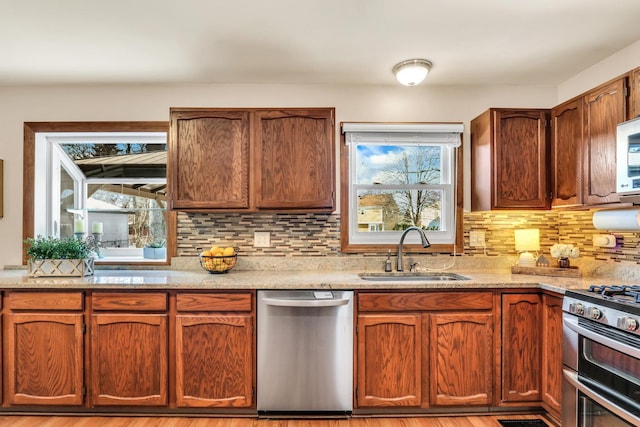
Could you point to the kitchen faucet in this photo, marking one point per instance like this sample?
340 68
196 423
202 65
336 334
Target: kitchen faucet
423 237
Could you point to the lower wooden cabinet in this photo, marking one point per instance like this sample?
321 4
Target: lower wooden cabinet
129 349
43 352
521 348
421 349
215 350
461 359
389 361
552 353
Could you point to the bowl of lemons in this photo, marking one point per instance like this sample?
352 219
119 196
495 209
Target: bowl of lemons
218 259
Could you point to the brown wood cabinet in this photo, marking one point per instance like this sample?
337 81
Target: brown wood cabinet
252 160
634 90
208 166
552 353
509 155
461 359
424 349
604 109
295 159
43 348
521 348
215 350
566 153
389 360
129 349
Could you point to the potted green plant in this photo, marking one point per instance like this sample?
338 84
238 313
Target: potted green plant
53 256
155 250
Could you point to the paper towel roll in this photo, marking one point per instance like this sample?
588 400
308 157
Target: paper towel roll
617 220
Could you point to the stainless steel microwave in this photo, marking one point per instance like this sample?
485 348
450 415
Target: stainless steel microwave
628 157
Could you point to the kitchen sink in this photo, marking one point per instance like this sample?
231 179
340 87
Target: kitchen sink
411 276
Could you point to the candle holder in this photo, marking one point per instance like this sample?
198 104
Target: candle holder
95 242
79 235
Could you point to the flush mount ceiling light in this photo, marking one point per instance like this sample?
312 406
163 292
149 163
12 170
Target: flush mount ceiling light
412 71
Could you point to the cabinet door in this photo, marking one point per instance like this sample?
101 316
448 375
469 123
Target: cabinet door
552 352
209 159
44 357
389 360
461 359
604 109
295 158
129 359
521 344
566 153
214 366
520 159
634 86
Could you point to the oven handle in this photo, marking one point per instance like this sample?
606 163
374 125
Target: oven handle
572 323
572 378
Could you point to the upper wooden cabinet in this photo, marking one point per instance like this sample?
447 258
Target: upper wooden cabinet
252 160
634 90
566 153
604 109
509 151
208 163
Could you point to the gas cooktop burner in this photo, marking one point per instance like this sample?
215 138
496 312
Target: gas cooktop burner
626 294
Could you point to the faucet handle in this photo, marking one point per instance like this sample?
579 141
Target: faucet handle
412 266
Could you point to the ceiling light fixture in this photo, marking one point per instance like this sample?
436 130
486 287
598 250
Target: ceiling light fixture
412 71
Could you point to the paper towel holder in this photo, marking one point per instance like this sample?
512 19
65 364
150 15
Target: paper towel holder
625 219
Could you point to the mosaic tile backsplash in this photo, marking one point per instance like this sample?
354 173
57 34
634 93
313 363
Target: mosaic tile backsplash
318 235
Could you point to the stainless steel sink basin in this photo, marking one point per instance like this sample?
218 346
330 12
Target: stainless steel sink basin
414 277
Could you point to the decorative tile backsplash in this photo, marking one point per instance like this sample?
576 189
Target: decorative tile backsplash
318 235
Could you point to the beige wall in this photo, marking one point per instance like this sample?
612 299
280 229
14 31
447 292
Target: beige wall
353 103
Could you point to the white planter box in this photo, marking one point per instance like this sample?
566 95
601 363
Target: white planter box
61 267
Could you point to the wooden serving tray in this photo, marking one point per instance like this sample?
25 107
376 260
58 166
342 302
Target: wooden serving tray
547 271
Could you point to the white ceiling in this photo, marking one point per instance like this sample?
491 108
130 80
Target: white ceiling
307 41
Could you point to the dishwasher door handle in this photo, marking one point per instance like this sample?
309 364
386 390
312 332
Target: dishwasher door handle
282 302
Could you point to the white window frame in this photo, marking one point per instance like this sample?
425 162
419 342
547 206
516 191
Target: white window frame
446 136
51 158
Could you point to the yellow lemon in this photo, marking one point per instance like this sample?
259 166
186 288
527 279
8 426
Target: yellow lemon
214 249
228 251
206 253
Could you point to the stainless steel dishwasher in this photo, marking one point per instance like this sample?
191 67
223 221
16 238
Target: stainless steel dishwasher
305 351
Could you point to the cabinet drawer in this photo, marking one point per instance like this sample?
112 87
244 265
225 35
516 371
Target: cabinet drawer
122 301
45 301
425 301
214 302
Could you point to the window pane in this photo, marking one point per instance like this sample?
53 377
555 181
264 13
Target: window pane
398 164
66 202
396 210
129 220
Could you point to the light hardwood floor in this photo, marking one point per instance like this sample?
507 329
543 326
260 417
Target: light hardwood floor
58 421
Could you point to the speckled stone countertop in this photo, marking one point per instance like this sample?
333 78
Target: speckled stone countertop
317 279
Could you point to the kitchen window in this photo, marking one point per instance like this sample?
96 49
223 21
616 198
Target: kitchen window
108 186
397 176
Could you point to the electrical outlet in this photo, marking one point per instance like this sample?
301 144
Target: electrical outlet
604 240
261 239
476 239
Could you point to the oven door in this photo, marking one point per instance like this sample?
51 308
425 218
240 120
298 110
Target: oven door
592 409
607 381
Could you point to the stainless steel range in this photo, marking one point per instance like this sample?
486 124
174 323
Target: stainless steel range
601 357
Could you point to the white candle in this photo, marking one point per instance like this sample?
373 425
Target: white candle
78 226
96 227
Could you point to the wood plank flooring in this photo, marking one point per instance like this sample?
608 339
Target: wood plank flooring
76 421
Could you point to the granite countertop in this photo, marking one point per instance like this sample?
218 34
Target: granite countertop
295 279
